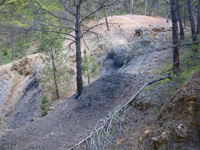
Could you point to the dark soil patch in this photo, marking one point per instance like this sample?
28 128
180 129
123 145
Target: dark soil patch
73 120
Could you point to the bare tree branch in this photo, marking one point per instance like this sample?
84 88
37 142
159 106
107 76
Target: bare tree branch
69 39
67 9
63 27
101 6
52 14
90 28
55 32
71 45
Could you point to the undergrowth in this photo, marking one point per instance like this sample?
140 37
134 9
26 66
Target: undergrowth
44 107
189 64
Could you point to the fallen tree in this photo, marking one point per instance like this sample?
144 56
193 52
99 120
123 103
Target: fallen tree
102 132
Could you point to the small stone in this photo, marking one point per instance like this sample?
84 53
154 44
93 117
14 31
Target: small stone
146 133
32 119
181 133
138 32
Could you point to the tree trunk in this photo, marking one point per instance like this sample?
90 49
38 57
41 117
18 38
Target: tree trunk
145 7
13 47
167 14
198 18
194 38
150 7
97 15
54 74
185 17
78 51
88 75
106 19
180 21
175 38
132 6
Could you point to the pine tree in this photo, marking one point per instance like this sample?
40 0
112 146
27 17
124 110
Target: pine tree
89 66
55 73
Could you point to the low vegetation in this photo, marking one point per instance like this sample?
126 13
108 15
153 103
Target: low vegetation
44 106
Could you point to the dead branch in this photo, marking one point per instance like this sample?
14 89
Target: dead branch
178 45
108 122
67 9
188 44
52 14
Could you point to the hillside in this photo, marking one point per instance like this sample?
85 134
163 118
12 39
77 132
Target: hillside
127 61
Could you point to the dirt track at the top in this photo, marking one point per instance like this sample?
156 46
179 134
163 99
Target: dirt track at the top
75 118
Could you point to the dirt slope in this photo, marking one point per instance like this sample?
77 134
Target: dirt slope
122 36
20 92
119 51
75 118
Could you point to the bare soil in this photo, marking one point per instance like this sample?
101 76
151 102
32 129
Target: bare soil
75 118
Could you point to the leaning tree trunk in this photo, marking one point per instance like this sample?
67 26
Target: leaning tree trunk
54 74
180 21
13 47
175 38
79 79
198 18
194 38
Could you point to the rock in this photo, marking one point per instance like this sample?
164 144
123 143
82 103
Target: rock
142 105
146 133
160 142
32 119
23 67
138 32
181 133
191 98
158 29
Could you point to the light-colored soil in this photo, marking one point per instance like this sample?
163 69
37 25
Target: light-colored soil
121 34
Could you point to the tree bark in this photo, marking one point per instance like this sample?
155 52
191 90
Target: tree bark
198 18
180 21
132 6
145 7
78 51
184 16
54 74
194 38
13 47
167 14
150 7
175 38
106 19
88 75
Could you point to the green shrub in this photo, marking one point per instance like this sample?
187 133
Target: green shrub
45 100
5 53
43 106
